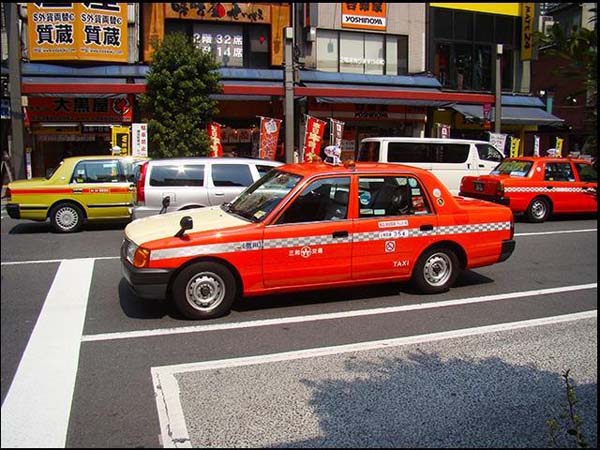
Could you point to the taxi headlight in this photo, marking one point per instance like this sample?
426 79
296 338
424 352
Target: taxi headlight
141 257
130 251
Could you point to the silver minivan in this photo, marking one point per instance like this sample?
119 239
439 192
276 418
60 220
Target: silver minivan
184 183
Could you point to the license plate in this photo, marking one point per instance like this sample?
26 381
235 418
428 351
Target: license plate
478 187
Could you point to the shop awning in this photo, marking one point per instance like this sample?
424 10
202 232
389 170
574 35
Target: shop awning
511 115
378 101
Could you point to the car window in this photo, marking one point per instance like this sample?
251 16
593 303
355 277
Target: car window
368 151
409 152
231 175
513 168
101 171
559 172
177 175
587 172
128 167
488 152
450 153
262 169
322 200
391 196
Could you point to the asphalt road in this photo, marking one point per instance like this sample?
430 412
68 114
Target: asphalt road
87 364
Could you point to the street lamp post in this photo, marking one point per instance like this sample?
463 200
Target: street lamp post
289 96
498 107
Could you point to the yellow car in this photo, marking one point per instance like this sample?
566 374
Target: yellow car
80 189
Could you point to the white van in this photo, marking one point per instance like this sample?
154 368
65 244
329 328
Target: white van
448 159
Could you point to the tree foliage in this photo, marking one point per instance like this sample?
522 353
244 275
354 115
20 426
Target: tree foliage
180 80
578 49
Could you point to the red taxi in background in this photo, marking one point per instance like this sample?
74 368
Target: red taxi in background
538 187
314 225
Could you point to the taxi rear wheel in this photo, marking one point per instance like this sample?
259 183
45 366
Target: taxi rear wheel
66 217
538 210
436 270
204 290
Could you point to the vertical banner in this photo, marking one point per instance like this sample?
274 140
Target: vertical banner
514 147
559 146
214 133
28 162
313 137
487 116
120 138
336 132
527 29
498 140
139 139
536 146
269 136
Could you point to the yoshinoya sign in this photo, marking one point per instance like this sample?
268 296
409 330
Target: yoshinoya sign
365 16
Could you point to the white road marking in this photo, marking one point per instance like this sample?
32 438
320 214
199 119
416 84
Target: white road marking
36 410
170 412
330 316
47 261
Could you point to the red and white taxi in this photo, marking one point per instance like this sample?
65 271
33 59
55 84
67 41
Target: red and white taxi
538 187
314 225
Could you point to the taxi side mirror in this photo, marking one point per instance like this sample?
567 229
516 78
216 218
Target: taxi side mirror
186 223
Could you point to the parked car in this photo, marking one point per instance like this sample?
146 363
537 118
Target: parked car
313 225
80 189
449 159
538 187
194 182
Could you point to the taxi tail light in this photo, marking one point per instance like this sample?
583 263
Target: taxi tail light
8 194
141 257
141 193
500 189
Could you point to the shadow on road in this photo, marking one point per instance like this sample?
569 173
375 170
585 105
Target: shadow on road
46 227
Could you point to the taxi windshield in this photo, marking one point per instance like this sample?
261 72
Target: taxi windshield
513 168
256 202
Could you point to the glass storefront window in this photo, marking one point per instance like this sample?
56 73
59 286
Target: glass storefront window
225 42
463 26
367 53
482 73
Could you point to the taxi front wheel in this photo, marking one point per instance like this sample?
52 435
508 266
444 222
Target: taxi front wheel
436 270
204 290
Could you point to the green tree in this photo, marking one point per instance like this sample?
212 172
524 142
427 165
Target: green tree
577 49
180 80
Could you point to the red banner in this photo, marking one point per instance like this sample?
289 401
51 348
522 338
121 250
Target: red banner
313 137
214 134
269 135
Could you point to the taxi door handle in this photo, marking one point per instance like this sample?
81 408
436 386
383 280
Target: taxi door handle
426 227
340 234
549 187
77 191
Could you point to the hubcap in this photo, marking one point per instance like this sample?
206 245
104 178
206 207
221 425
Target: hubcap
205 291
538 209
438 269
67 218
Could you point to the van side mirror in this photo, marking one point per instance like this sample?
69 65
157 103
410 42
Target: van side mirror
186 223
166 201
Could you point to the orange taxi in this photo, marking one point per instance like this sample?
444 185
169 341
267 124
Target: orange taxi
314 225
538 187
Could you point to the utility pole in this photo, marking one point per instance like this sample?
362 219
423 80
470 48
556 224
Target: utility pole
498 107
14 83
289 95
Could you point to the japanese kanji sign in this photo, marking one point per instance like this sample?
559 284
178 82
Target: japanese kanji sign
80 109
527 29
313 137
139 139
365 16
269 135
77 31
228 12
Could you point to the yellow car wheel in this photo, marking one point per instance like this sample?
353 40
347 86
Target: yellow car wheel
66 218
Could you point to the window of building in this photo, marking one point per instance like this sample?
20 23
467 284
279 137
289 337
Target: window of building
368 53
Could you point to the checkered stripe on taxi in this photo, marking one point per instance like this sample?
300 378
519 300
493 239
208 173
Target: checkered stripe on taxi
544 189
197 250
399 233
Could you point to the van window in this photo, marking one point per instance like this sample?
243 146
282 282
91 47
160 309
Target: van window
450 153
177 175
408 152
368 151
262 170
231 175
489 153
